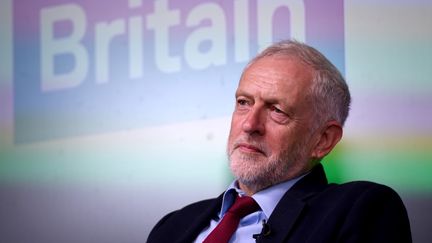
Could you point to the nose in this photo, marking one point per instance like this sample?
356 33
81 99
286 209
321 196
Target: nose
254 122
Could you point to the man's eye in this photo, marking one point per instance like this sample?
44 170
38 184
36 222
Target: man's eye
241 102
277 110
278 115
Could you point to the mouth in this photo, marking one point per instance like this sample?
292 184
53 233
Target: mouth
248 148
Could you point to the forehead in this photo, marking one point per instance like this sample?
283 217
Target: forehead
276 77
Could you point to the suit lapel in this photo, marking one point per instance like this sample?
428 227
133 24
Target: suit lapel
283 218
290 207
201 221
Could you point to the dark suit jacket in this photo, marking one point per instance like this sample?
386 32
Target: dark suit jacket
311 211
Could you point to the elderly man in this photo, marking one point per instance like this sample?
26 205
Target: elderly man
291 104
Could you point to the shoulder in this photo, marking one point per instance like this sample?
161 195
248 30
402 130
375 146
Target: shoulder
314 186
362 189
356 200
359 211
359 191
184 222
373 208
362 202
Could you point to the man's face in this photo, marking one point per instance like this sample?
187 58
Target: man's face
270 137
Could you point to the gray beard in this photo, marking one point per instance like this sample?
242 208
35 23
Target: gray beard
277 170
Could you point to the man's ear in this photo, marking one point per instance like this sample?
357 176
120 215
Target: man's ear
328 137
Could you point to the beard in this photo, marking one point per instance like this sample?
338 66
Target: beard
258 171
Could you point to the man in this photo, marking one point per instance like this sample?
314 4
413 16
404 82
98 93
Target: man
291 104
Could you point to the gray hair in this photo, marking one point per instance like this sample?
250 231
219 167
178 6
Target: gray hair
329 92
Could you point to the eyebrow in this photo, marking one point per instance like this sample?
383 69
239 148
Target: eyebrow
268 101
242 93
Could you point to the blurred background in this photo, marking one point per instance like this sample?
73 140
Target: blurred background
114 113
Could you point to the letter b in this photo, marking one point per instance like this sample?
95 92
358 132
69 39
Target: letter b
52 46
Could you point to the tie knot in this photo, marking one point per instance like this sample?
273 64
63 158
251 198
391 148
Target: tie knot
229 223
243 206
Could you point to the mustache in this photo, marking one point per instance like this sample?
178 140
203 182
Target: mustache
246 141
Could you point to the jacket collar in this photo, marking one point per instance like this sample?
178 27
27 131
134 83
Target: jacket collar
290 207
284 215
202 221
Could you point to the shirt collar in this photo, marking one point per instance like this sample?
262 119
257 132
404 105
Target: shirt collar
267 199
